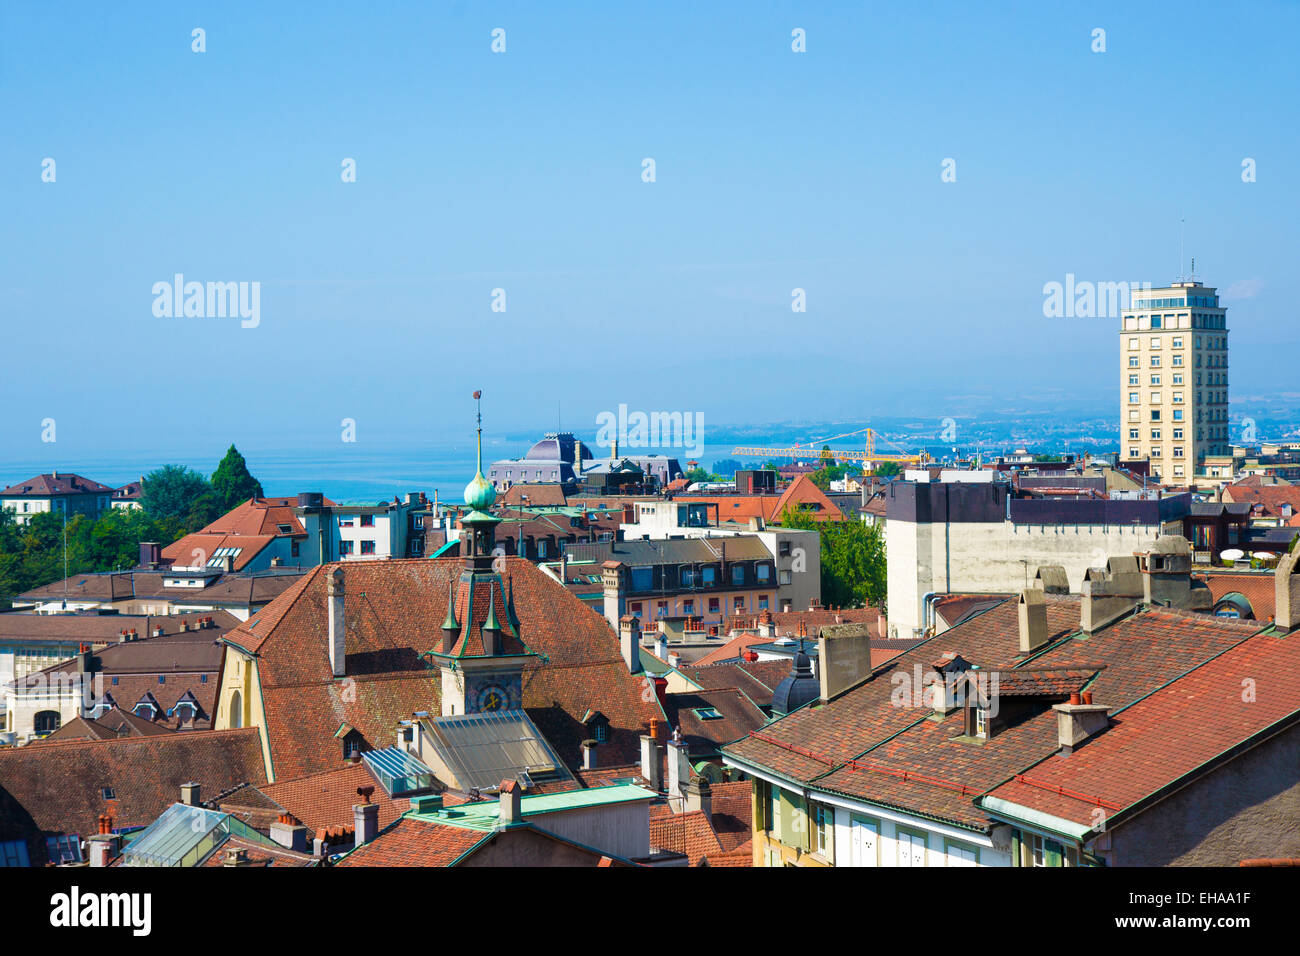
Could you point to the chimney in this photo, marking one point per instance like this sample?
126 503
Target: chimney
1286 592
104 848
629 642
228 563
1077 722
150 554
843 657
674 659
191 794
679 765
611 574
289 833
1032 609
1109 594
511 810
365 821
564 567
661 646
589 755
236 856
1052 579
336 626
105 845
699 796
651 767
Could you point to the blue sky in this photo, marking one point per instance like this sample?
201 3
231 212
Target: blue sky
522 171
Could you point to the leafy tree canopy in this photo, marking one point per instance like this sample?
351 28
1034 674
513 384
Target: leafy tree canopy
854 570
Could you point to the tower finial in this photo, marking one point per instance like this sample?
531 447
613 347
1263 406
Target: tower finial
478 415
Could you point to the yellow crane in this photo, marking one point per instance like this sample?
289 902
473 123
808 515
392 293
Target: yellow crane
868 455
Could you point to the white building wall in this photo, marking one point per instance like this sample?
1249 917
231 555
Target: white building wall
995 557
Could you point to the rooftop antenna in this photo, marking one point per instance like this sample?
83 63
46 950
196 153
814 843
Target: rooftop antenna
1182 222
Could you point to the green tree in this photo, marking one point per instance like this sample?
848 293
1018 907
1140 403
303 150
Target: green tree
887 469
823 477
854 569
232 484
171 492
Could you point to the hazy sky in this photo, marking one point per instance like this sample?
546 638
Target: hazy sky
522 170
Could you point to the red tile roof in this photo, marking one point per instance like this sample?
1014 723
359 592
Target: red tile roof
738 717
733 815
1270 499
412 842
326 799
1174 731
56 483
1259 588
58 787
757 679
259 855
689 833
394 612
861 745
250 526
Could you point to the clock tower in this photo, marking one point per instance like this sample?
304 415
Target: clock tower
480 653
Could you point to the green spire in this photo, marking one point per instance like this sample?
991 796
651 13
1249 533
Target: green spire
492 624
449 622
479 493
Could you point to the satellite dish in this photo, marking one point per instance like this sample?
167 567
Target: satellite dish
1232 554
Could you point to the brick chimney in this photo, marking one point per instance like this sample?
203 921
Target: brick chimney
338 655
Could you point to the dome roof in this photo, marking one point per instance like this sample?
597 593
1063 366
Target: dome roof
548 449
797 689
479 493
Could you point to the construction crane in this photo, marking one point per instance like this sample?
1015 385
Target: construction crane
868 455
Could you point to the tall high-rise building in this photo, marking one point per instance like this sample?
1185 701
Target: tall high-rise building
1174 379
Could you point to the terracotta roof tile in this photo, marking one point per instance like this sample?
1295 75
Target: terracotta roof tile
412 842
58 787
326 799
393 615
1175 730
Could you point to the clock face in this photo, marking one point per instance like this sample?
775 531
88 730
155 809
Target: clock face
493 697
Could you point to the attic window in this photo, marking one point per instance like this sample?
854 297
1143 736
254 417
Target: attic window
707 713
108 793
982 722
285 528
64 849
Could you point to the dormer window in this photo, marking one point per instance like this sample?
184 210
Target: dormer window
982 723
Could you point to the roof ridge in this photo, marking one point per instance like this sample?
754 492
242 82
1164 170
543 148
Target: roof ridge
187 735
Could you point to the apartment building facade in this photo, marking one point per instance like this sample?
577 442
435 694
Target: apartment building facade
1174 380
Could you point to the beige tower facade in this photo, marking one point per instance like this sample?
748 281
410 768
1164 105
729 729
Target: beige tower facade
1174 379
